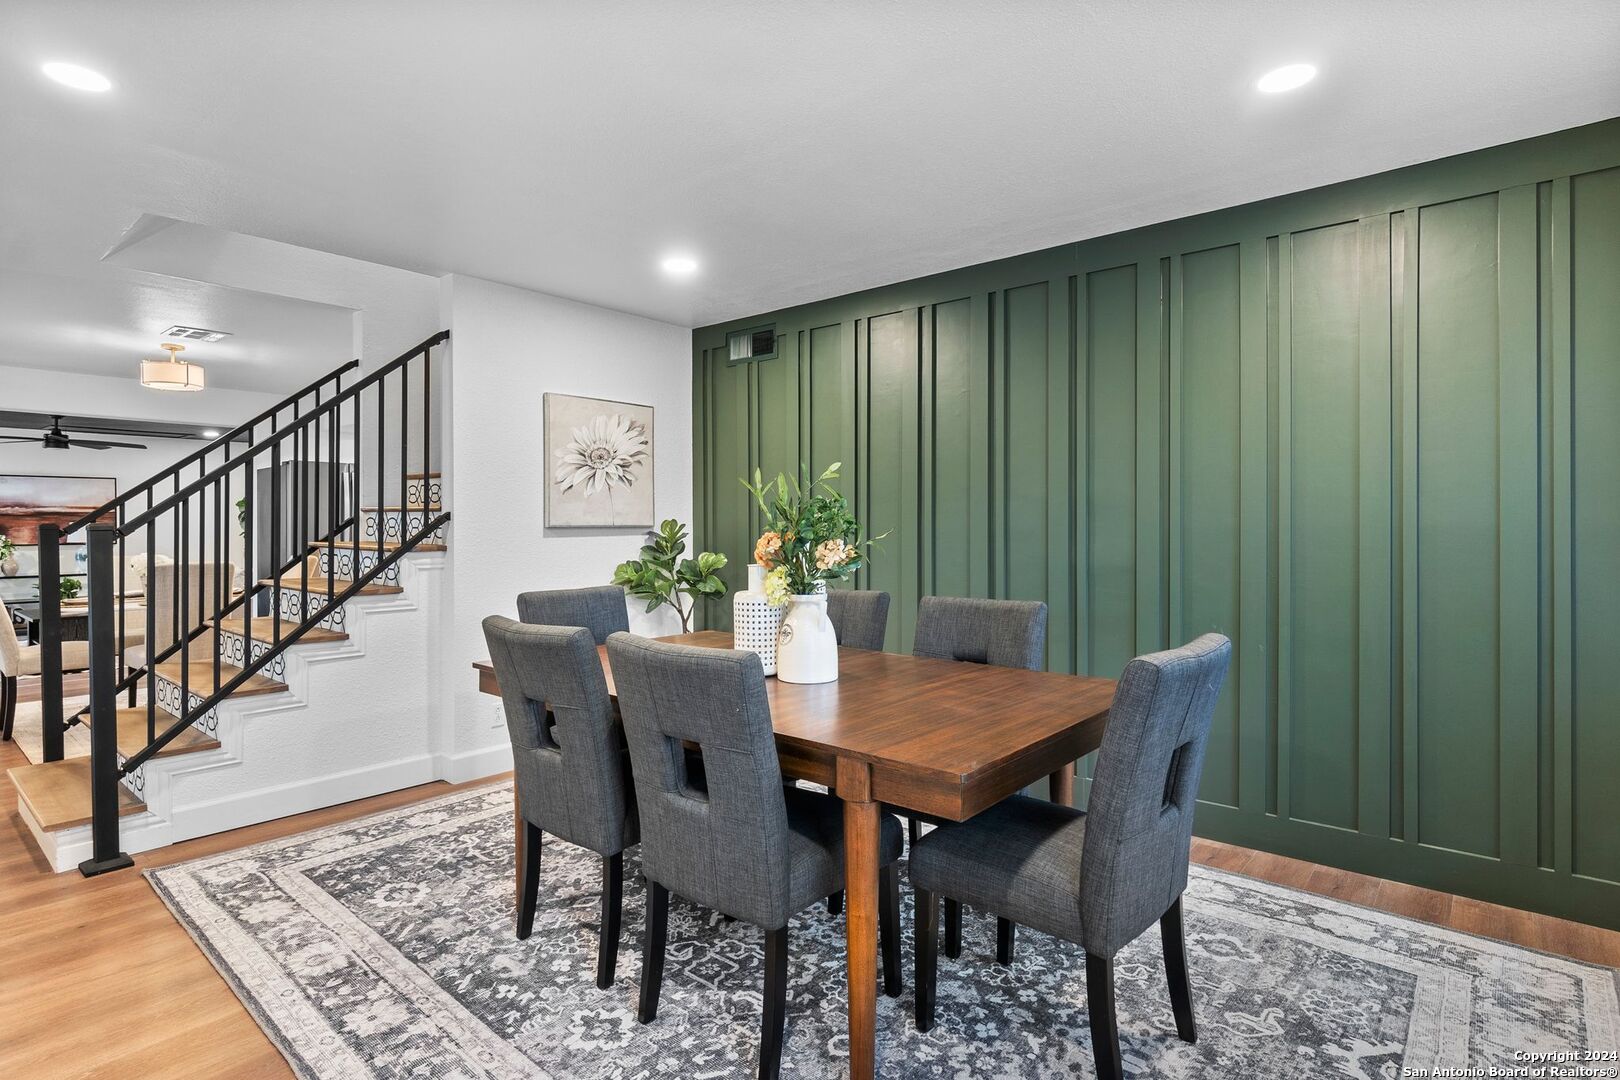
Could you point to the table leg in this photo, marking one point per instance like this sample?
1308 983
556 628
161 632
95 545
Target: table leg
1062 783
861 823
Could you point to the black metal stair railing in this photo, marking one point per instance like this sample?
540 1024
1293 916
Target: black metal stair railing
320 433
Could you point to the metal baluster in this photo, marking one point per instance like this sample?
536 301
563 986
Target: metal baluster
275 543
220 585
151 628
382 457
248 484
354 485
184 604
427 430
123 633
50 642
331 473
405 455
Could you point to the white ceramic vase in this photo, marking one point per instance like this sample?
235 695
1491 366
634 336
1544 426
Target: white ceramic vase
806 646
754 623
9 568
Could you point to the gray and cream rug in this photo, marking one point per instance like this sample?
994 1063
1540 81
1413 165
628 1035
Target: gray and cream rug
383 947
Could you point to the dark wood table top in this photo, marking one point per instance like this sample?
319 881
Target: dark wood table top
942 737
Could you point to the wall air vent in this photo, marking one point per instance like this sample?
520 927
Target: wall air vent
748 345
194 333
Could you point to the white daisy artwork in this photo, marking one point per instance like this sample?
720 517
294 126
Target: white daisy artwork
599 457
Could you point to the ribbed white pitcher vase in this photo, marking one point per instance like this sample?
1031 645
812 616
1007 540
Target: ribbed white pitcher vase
806 646
754 623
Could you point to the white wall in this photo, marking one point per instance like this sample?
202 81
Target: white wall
508 348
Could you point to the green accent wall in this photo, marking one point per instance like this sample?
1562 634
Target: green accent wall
1371 432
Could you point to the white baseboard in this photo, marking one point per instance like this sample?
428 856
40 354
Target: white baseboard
267 804
473 764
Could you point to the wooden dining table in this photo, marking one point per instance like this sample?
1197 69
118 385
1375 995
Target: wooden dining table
936 737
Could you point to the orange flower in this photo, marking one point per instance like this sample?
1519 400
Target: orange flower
768 549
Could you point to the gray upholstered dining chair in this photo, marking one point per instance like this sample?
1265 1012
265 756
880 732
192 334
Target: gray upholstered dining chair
1102 876
743 844
568 759
1004 633
860 617
600 609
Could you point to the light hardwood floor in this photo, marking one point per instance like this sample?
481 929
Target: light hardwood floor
99 980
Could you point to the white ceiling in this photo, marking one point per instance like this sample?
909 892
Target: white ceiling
799 151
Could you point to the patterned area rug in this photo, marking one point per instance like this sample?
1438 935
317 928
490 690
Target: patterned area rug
383 947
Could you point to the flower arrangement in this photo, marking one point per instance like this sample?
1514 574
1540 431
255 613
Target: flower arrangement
662 577
810 536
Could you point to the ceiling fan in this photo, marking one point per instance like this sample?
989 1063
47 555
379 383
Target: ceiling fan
57 439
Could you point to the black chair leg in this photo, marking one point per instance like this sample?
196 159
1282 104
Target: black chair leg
913 831
607 949
652 951
8 705
1005 929
889 929
953 929
528 873
1173 934
775 1017
835 903
926 949
1104 1028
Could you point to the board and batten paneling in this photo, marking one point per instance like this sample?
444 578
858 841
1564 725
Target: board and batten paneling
1370 432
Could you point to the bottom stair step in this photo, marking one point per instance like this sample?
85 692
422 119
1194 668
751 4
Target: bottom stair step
57 793
132 734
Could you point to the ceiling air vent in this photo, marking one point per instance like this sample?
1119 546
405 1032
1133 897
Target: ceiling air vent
756 344
194 333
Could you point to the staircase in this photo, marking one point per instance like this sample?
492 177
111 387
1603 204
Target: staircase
304 689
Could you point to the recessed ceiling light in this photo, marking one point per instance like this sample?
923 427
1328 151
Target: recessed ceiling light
1288 77
679 265
80 78
210 434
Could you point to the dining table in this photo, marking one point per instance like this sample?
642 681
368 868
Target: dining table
942 739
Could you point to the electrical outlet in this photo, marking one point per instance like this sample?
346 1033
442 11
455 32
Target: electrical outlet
499 712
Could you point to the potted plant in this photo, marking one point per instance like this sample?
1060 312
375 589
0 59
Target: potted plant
8 556
662 577
811 538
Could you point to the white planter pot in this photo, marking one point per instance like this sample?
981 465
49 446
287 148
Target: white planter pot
806 647
754 623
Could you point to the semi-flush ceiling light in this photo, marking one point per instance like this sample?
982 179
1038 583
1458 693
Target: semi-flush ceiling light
80 78
679 265
1289 77
210 434
173 373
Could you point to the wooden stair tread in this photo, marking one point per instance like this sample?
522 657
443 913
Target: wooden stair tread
317 585
200 678
57 793
132 734
422 475
263 628
397 509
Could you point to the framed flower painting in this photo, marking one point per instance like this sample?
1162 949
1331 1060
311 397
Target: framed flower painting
599 463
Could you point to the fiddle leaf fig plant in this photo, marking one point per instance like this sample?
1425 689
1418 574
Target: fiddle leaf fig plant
662 577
